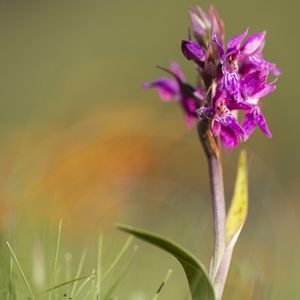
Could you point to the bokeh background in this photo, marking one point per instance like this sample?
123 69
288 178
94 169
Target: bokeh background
81 140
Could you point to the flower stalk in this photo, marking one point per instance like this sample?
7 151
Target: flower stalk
213 155
219 212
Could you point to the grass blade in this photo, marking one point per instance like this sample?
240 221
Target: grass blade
10 281
119 277
67 283
56 255
99 267
83 285
80 266
118 257
168 275
21 271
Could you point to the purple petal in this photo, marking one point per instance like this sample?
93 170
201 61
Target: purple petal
228 128
229 138
254 119
253 85
189 121
189 106
192 51
249 123
175 69
219 96
262 123
219 45
166 88
258 76
199 93
238 105
230 122
247 67
253 82
216 127
272 68
235 42
263 64
231 82
263 92
253 43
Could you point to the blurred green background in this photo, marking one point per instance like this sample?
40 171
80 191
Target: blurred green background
81 140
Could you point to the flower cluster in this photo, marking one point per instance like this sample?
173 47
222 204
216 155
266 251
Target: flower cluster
231 79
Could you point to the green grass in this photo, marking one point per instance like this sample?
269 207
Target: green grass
257 271
92 277
84 285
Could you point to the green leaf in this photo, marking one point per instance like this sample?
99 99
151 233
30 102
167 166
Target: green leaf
234 222
199 283
239 206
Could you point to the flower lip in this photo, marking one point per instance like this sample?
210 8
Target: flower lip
253 119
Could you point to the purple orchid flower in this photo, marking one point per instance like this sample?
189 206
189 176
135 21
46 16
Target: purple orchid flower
223 122
229 61
232 79
251 54
167 88
239 60
179 90
254 87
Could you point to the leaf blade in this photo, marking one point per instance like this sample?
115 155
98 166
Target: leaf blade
238 210
235 221
199 283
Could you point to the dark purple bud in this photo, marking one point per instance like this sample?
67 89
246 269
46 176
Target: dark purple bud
200 23
192 51
217 23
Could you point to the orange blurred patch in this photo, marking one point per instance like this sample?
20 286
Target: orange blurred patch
86 172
